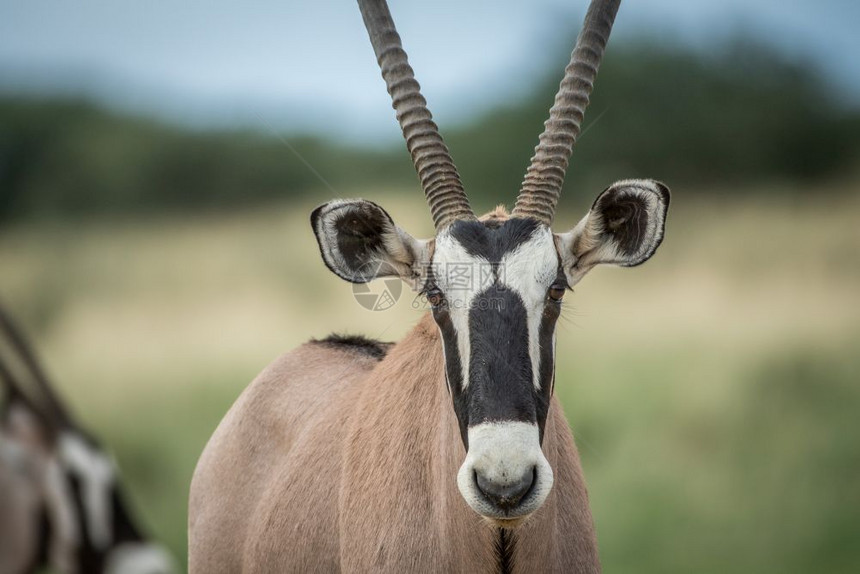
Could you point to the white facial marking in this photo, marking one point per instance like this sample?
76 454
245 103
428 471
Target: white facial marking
448 258
65 536
504 452
139 558
529 270
97 475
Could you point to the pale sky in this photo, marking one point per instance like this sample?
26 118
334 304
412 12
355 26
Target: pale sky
308 65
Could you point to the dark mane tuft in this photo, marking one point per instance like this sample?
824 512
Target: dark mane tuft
370 347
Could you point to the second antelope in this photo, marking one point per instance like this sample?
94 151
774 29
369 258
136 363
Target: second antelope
62 504
448 451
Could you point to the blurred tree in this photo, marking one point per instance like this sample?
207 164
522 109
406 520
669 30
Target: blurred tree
744 115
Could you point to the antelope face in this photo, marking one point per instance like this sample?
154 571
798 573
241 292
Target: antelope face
70 482
89 490
498 337
495 288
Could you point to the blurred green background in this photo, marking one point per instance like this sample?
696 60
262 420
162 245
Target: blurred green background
714 392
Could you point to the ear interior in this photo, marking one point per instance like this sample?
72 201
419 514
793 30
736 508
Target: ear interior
359 241
624 227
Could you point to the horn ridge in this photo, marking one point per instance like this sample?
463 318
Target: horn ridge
541 187
439 178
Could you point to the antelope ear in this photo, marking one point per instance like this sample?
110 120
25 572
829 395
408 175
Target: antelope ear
359 242
624 227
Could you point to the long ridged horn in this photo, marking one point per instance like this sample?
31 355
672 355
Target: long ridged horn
545 176
436 170
19 344
15 394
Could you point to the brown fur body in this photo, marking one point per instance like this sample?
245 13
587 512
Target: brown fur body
20 512
333 461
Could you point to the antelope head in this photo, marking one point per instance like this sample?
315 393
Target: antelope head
497 328
87 526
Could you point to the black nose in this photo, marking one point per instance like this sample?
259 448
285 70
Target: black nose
507 495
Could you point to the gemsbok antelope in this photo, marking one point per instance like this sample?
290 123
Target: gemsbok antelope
61 502
447 451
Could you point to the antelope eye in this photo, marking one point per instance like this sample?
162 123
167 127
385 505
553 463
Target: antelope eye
434 296
556 292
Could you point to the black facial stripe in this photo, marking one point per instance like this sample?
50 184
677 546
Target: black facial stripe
501 386
89 559
123 527
41 558
546 373
494 241
453 367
